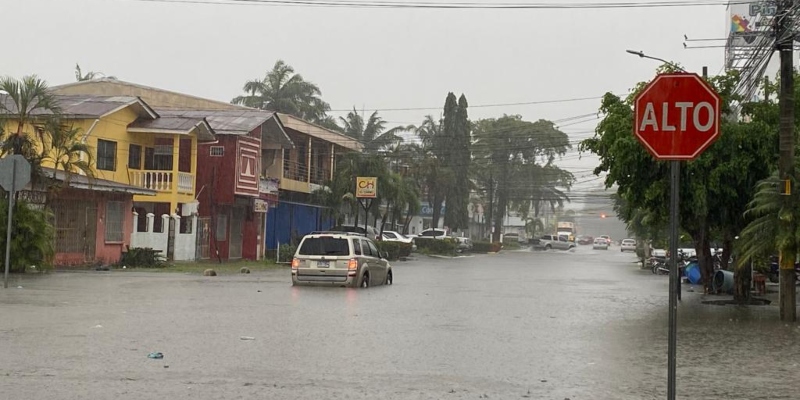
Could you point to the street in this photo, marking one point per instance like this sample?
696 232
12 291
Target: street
583 324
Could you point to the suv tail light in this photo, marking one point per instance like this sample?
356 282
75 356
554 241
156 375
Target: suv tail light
295 263
352 264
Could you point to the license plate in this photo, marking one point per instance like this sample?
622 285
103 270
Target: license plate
323 264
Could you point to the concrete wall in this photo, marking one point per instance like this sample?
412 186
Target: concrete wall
185 243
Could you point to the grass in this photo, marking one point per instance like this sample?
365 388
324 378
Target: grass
224 268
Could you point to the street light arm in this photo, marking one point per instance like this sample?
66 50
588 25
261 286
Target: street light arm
642 55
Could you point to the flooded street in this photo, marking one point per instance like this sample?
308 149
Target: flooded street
542 325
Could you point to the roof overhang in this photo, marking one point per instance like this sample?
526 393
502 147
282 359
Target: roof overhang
272 132
139 106
316 131
205 134
78 181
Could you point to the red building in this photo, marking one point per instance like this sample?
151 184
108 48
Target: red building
232 209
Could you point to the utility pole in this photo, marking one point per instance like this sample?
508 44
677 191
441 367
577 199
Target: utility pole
788 251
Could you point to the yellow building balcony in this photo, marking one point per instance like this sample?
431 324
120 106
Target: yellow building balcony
163 181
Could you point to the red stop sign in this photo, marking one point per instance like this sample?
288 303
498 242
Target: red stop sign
677 116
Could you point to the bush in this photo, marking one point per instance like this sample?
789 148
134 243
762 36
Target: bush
286 252
446 246
486 247
396 250
32 236
142 257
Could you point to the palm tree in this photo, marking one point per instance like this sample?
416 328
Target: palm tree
61 145
28 100
372 133
282 90
80 77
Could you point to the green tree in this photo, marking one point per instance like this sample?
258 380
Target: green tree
283 90
27 100
711 186
457 211
513 154
434 177
61 145
32 236
372 132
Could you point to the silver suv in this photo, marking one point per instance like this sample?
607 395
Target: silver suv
340 259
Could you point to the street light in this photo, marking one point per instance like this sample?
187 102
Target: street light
642 55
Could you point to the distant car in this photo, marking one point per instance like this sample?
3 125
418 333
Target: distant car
508 237
584 239
370 232
463 243
548 242
340 259
628 245
606 237
393 236
434 233
600 244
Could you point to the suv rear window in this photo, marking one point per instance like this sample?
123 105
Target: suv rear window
324 246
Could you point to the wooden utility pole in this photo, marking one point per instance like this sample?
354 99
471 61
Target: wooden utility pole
788 248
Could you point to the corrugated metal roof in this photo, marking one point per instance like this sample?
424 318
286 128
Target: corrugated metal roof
237 122
182 124
84 106
226 122
176 124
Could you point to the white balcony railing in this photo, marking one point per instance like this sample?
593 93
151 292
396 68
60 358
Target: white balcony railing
162 181
185 183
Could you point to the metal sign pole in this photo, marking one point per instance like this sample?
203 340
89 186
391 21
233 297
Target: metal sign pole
674 279
10 215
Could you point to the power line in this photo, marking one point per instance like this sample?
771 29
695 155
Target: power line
527 103
459 5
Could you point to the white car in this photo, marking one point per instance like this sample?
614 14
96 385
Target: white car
600 244
393 236
628 245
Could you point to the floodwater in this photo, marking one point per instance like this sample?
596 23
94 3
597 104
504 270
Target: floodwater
583 324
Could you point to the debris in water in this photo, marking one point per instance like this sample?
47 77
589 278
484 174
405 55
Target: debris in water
247 338
156 356
98 326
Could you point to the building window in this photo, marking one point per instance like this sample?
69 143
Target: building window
135 156
106 155
158 158
217 151
114 221
221 233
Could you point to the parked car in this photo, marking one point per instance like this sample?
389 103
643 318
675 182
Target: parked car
340 259
393 236
600 244
463 243
548 242
435 233
370 232
513 236
628 245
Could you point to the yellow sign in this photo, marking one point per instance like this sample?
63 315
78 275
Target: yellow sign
366 187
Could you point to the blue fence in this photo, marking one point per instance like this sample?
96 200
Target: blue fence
293 220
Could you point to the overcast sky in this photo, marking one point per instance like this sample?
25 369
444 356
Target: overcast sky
368 58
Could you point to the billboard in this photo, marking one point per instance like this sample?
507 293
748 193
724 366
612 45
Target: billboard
366 187
748 21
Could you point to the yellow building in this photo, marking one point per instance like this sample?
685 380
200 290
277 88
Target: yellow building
147 162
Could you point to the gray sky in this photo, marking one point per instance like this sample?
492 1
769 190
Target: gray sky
368 58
